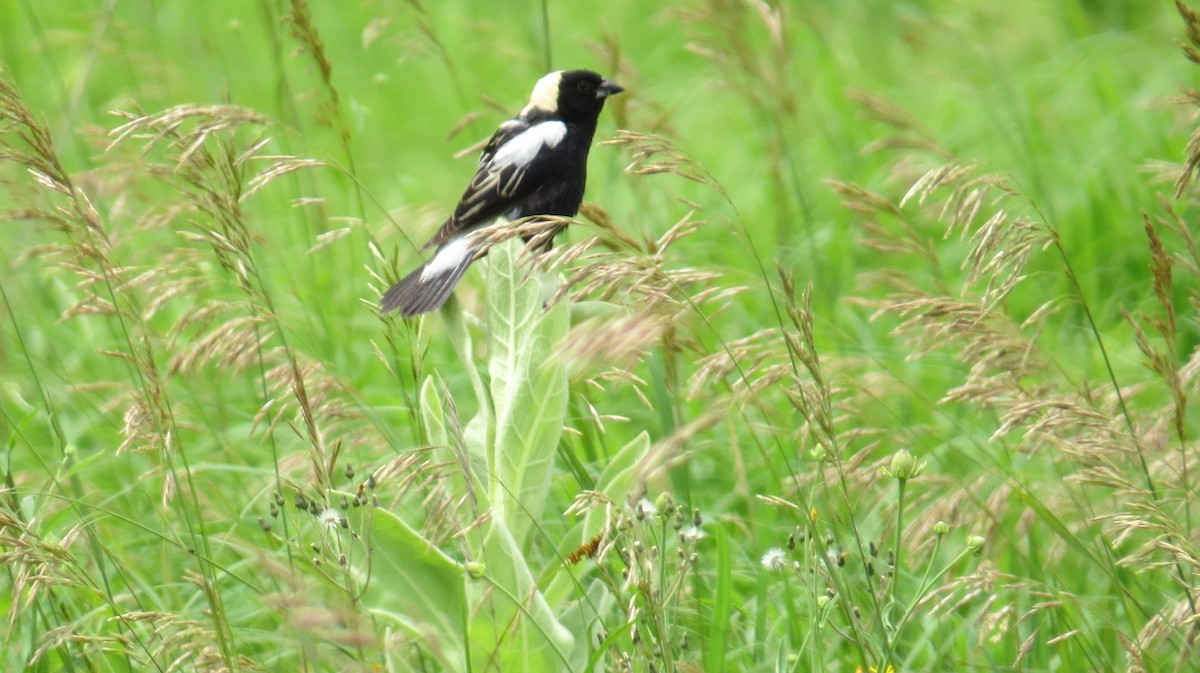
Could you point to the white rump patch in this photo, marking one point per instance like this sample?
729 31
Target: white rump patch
525 146
448 257
545 93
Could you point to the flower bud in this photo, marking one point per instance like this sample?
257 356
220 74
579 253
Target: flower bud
475 569
941 528
975 544
664 501
903 464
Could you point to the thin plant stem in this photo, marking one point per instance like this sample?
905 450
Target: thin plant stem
896 548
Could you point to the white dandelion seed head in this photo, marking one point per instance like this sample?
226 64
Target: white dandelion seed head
691 534
648 508
774 560
330 518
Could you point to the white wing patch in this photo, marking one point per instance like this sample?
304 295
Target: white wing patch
448 257
525 146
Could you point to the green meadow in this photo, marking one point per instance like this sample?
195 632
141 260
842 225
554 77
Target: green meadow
874 347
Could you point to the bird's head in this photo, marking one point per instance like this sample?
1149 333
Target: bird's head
572 95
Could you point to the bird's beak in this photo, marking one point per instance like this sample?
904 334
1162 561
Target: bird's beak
608 88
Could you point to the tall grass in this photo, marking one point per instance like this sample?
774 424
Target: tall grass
873 348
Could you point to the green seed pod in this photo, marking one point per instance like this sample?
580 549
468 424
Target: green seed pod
475 569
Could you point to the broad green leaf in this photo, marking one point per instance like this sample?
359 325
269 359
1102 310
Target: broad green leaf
447 439
478 433
620 474
528 390
413 583
520 631
618 479
433 414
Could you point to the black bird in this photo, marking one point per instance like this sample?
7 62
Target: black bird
535 164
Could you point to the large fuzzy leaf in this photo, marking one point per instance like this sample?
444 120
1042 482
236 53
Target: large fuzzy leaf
520 631
418 587
528 390
450 445
478 434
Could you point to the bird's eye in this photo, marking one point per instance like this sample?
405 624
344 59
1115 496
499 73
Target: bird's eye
582 86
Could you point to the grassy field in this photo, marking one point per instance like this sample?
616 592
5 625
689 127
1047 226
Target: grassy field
873 347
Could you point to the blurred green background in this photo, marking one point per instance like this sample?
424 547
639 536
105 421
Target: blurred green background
1072 100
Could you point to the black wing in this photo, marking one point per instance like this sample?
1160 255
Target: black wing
516 161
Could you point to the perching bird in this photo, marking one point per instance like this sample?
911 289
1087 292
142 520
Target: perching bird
535 164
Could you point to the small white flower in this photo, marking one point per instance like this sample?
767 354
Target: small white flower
774 560
330 519
648 508
691 534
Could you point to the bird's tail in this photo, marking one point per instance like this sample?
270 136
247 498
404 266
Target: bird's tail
427 288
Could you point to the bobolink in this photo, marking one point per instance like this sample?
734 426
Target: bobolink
535 164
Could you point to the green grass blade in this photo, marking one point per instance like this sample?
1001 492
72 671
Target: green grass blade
722 607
